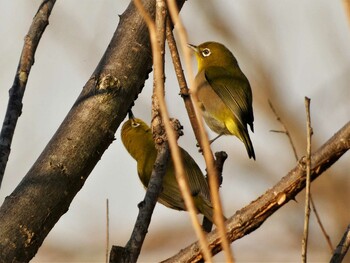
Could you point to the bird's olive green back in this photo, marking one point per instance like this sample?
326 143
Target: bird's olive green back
218 70
235 92
137 139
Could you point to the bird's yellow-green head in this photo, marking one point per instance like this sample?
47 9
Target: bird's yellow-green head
136 135
213 54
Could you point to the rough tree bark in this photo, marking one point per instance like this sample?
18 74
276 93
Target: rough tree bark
251 217
45 193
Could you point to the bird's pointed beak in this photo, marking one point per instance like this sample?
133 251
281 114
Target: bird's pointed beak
131 115
193 47
132 119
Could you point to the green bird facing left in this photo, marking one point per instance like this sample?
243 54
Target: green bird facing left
224 93
137 138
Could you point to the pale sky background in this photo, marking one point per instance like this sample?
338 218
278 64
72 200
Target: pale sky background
287 49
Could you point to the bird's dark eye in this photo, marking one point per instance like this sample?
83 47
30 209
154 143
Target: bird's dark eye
206 52
135 124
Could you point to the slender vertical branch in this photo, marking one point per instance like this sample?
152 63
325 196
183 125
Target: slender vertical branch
184 91
107 229
203 138
185 94
132 250
14 106
220 158
346 4
313 206
308 181
157 124
172 139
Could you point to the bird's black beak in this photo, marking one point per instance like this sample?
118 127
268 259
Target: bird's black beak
131 115
134 122
193 47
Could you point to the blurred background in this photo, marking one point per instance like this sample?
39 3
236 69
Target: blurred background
287 49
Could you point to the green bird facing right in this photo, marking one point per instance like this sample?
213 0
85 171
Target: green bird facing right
224 93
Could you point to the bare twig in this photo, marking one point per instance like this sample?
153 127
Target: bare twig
308 181
14 106
107 230
346 4
184 91
252 216
220 158
185 94
203 138
132 250
318 218
285 130
342 247
313 206
172 139
156 123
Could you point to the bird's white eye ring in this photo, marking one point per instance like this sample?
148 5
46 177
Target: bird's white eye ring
206 52
135 124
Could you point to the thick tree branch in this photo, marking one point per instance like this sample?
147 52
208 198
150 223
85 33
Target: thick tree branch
45 193
14 106
252 216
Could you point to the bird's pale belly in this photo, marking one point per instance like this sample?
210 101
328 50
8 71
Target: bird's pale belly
214 111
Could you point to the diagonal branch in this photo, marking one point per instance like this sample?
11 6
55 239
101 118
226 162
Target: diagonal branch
203 136
253 215
14 106
342 247
132 250
46 191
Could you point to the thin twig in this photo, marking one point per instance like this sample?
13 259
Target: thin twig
185 94
220 158
175 151
107 230
313 206
203 138
156 123
285 130
318 218
346 4
184 91
16 93
342 247
146 207
308 181
132 250
251 217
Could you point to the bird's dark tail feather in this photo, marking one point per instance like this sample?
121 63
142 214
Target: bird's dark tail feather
248 144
